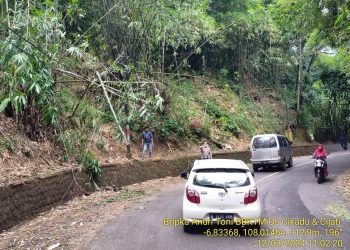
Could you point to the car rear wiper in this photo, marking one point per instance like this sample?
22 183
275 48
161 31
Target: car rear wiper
215 186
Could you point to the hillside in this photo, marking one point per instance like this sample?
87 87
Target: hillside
199 108
74 74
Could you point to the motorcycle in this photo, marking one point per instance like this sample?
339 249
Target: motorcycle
320 168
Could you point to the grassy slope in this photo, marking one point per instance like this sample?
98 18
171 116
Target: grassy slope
225 113
199 108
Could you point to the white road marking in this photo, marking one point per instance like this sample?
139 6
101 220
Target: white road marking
299 165
303 164
267 177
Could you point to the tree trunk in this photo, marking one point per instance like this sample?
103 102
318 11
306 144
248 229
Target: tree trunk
300 72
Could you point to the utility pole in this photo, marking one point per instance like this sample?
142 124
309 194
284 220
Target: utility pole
127 131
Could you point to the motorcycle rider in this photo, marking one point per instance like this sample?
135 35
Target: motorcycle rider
343 142
320 152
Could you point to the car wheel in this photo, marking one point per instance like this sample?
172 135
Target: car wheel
283 165
290 162
256 167
188 228
255 226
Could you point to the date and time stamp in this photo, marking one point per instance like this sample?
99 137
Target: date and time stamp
279 237
277 233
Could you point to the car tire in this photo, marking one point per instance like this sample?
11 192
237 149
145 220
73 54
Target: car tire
256 167
255 226
290 162
188 228
283 165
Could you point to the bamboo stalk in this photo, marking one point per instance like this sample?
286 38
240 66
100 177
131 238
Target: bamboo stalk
28 6
8 14
111 106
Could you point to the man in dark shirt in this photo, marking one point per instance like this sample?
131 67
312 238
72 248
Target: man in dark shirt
147 142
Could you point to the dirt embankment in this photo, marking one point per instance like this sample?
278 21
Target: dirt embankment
22 159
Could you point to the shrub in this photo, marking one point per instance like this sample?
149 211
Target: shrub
225 119
170 127
306 117
91 165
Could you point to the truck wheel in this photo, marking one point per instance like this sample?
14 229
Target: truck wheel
256 167
283 165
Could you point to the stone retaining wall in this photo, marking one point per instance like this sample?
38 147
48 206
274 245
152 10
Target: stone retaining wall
22 201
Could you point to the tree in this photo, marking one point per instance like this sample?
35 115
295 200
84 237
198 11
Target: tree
297 26
29 47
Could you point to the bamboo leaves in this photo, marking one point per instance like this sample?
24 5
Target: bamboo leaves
19 58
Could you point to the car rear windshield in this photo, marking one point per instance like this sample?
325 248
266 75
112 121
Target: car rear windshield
227 178
264 142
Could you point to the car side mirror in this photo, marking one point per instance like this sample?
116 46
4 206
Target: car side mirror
184 175
253 174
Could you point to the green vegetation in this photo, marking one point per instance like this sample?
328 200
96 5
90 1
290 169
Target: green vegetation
8 144
193 69
93 166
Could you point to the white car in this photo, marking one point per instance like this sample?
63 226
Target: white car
220 189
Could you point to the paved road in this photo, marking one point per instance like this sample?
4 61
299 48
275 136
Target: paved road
293 194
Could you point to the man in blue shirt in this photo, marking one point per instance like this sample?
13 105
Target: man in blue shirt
147 142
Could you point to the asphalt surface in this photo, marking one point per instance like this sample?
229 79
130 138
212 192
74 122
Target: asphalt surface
287 197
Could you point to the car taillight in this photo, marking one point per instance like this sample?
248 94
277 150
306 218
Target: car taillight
192 195
251 195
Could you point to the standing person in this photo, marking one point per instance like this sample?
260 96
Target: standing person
289 134
205 151
147 142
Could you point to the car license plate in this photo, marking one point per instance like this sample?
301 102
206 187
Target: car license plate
222 216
